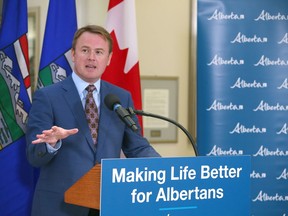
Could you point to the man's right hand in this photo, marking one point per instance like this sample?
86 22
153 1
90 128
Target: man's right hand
54 134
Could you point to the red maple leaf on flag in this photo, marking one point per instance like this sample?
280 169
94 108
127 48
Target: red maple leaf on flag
115 74
113 3
123 70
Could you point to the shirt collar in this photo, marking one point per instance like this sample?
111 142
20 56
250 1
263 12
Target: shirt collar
81 84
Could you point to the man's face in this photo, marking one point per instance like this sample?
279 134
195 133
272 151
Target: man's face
90 56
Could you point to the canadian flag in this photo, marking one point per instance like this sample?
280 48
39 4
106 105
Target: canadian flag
124 70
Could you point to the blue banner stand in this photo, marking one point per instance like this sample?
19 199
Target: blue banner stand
176 186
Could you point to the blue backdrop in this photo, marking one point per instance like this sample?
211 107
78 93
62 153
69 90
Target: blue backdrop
242 92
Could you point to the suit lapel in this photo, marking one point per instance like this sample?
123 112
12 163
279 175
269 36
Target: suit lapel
74 103
105 115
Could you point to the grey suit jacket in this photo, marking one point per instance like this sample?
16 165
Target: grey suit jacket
60 105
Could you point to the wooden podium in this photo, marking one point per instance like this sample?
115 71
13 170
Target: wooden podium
86 191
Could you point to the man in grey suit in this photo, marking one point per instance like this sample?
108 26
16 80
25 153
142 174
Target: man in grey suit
59 141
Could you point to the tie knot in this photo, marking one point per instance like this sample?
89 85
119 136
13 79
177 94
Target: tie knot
90 88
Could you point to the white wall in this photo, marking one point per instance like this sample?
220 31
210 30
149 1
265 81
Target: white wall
163 42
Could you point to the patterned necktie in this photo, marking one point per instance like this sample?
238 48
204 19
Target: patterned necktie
92 112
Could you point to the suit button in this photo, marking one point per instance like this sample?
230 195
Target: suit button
40 154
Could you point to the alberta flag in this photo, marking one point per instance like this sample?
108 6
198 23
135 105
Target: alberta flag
124 70
61 24
17 180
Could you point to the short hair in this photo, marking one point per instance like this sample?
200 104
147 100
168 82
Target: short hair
95 29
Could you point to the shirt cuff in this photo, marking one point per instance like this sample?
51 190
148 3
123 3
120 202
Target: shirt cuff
54 149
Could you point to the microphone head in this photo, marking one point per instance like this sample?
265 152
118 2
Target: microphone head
111 100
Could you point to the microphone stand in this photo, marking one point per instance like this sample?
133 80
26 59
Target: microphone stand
142 113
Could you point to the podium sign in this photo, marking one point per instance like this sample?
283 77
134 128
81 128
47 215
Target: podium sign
176 186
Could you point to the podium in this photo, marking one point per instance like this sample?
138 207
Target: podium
86 191
164 186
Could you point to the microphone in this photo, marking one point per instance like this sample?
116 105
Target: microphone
113 103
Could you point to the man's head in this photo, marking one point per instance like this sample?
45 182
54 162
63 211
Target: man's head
95 30
91 52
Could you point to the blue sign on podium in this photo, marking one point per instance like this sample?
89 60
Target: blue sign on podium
176 186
